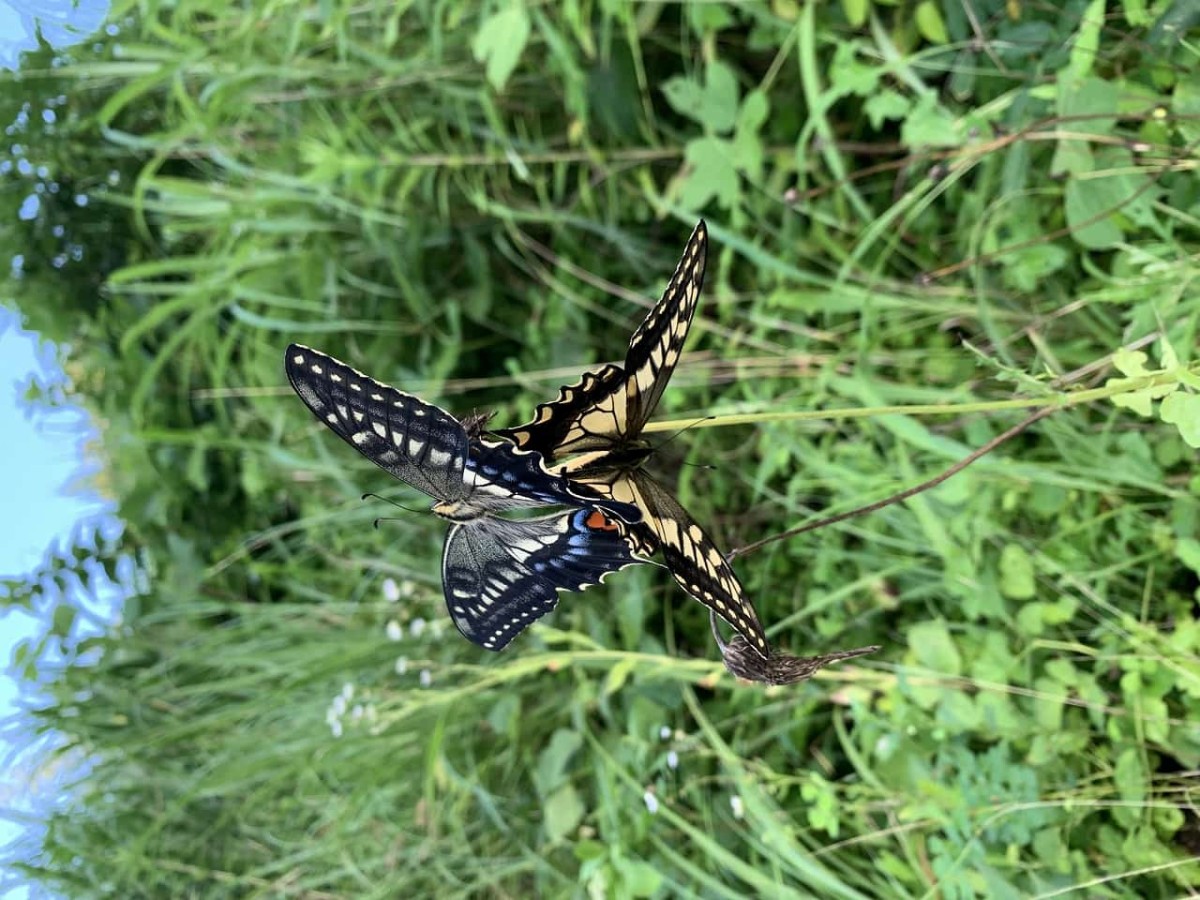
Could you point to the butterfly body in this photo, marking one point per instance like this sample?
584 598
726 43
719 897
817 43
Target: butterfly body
591 432
498 574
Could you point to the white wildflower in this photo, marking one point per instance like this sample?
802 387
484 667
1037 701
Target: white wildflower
401 665
393 630
426 678
673 760
391 590
416 626
735 803
664 733
651 802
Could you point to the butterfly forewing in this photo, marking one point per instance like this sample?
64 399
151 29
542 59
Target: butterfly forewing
607 408
499 576
415 441
428 448
655 347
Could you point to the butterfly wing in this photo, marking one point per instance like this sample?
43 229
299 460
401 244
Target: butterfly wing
689 552
501 477
610 407
658 342
415 441
778 668
426 447
500 575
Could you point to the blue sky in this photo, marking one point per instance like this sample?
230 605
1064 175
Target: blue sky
40 454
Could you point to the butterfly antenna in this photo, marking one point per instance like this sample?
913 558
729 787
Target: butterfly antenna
375 524
903 495
373 496
682 430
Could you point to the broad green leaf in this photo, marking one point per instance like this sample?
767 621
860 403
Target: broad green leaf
1087 39
641 878
499 42
856 11
930 24
552 761
1185 105
1089 208
931 644
1187 550
747 145
1130 362
886 106
1183 411
1016 573
930 125
563 811
711 174
713 105
685 96
721 93
1141 401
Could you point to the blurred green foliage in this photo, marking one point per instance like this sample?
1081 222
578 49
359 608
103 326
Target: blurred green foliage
910 204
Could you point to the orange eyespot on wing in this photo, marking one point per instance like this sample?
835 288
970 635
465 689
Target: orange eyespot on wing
598 521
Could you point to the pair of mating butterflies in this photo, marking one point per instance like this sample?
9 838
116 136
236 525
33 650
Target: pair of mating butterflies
583 450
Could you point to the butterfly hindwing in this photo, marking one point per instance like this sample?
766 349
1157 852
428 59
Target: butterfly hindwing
500 575
690 553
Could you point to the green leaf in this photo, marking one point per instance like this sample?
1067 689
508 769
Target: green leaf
849 75
747 146
1130 779
886 106
1141 400
1183 411
618 675
1130 362
685 96
711 174
715 105
1089 205
1185 106
721 94
563 811
931 644
641 878
856 11
929 23
930 125
1016 573
1187 551
1087 40
499 42
588 850
552 762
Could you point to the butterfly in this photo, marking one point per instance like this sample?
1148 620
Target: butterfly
598 421
498 574
778 668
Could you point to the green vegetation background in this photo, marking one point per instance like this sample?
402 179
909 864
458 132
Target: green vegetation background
911 205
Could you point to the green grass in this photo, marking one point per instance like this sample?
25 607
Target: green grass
923 226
